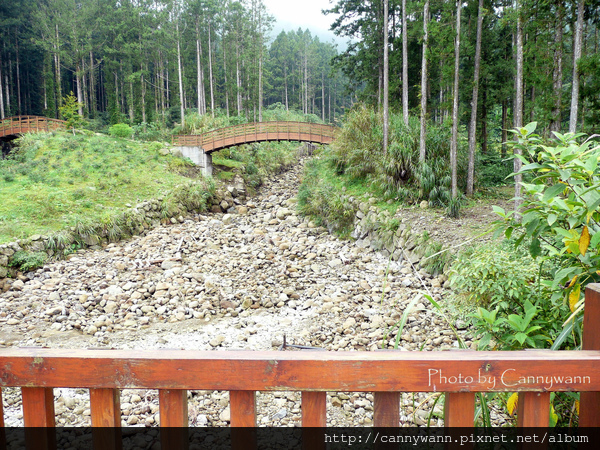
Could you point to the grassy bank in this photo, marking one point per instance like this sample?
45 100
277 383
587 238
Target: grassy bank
54 181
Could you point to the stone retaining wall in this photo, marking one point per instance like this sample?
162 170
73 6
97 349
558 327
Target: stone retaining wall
390 235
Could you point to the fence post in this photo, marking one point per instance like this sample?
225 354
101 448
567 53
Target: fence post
242 408
105 405
589 402
173 418
38 412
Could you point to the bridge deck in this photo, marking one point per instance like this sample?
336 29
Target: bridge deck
259 132
16 125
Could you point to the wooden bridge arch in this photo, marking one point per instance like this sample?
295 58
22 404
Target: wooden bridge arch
258 132
17 125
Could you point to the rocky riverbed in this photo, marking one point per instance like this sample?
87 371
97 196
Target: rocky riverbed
240 280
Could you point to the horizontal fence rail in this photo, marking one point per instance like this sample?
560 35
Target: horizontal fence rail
259 132
28 124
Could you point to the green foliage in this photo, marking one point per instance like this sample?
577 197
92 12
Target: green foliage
69 112
492 170
514 332
398 174
560 218
435 261
495 275
318 198
27 261
193 196
120 130
257 161
510 292
454 205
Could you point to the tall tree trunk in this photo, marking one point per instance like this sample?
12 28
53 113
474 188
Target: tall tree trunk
226 83
92 87
473 123
385 76
2 116
199 74
422 148
19 106
180 72
454 143
557 74
577 44
518 108
285 80
57 68
404 64
131 102
306 79
329 102
84 88
143 83
238 80
504 126
323 96
79 88
210 72
6 86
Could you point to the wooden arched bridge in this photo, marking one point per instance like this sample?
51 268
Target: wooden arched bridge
199 147
11 127
258 132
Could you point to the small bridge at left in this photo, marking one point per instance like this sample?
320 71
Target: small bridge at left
200 147
13 127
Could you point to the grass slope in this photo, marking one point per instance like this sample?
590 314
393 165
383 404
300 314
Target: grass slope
52 181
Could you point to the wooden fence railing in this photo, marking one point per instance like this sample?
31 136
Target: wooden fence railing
459 374
259 132
27 124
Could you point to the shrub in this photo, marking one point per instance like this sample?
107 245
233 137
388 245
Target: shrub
495 275
322 201
121 130
559 221
27 261
398 173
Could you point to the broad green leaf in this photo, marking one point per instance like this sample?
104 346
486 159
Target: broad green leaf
521 337
590 165
553 191
530 127
500 211
564 273
531 167
535 249
595 240
552 218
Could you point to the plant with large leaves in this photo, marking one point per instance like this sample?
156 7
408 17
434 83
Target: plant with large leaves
560 215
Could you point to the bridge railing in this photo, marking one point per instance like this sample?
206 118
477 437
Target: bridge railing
459 374
27 124
259 131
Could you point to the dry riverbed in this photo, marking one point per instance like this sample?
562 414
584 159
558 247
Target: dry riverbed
226 281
